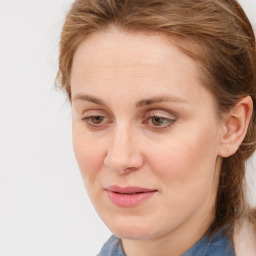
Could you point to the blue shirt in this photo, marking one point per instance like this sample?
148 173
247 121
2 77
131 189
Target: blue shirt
218 245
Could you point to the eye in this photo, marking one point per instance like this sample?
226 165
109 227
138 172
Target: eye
97 119
159 122
94 121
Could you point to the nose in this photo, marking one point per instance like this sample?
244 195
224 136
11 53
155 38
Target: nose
123 154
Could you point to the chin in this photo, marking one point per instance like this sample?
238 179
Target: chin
132 233
133 229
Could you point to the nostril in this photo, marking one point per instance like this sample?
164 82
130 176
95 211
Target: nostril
123 158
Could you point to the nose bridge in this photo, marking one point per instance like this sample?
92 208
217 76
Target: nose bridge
123 153
122 136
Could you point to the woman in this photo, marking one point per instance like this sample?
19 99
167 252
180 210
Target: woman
163 99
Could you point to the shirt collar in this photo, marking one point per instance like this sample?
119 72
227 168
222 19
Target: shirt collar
206 246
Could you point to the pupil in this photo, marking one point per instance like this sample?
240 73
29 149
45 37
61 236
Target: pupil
97 119
157 120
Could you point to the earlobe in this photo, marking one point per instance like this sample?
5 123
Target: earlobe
235 127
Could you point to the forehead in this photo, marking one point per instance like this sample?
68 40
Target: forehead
115 61
116 48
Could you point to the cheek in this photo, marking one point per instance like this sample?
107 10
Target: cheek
186 169
89 155
188 160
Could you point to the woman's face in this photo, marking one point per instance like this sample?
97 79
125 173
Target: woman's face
145 134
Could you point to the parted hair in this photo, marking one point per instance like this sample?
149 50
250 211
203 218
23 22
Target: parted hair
215 33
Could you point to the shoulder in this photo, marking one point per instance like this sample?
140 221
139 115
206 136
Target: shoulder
113 247
215 245
245 239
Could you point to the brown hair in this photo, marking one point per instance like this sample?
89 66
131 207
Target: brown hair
217 34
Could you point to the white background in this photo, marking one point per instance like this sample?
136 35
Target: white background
44 209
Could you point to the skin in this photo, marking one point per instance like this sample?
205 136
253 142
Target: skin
120 140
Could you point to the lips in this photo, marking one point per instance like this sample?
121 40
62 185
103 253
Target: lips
129 196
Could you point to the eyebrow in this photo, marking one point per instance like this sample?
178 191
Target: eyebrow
85 97
160 99
141 103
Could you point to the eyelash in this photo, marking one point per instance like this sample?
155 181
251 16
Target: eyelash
168 122
90 123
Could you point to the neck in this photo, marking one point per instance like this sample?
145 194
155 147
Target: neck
177 242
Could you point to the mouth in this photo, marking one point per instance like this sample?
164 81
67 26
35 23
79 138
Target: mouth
129 196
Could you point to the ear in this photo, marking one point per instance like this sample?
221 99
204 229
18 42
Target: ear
235 127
